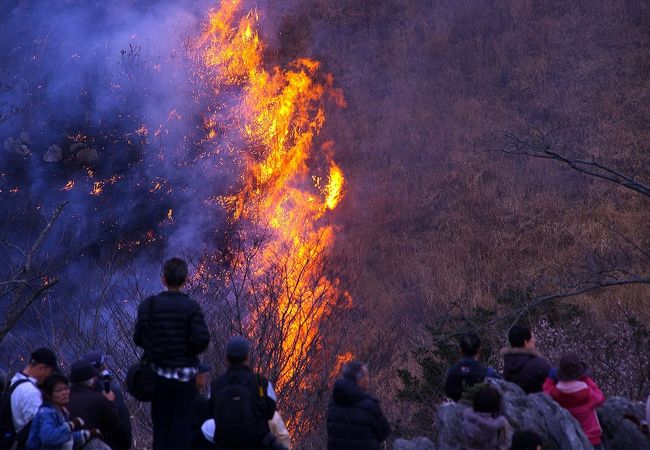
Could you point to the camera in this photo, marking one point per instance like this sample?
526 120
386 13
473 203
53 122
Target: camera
106 377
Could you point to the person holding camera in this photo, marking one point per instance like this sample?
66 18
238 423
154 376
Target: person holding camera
104 383
97 409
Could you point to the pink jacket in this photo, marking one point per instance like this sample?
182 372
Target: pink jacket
581 398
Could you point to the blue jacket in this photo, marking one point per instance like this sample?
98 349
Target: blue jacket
50 430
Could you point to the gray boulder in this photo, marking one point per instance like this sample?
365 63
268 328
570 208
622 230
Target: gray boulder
53 154
535 412
418 443
619 432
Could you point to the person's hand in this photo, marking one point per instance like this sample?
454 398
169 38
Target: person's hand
110 396
76 423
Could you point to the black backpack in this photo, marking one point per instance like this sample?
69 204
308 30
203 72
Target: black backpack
8 433
239 412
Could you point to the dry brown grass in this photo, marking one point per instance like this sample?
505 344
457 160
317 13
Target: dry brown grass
431 217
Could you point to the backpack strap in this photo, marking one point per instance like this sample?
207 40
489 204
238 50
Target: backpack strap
13 387
260 388
148 351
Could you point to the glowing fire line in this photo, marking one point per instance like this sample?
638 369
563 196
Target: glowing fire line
281 112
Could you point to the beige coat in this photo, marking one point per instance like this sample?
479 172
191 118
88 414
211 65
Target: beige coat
279 430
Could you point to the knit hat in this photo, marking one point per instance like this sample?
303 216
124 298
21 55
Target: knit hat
82 371
571 367
237 348
96 358
44 356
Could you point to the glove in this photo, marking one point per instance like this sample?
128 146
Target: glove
76 423
90 434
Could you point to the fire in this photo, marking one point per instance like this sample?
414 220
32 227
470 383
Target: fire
98 188
68 186
281 111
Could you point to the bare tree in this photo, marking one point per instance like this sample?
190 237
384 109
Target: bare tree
27 279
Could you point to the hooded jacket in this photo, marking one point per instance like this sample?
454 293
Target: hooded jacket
525 367
483 431
354 419
581 398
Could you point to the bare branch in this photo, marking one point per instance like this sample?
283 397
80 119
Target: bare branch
541 148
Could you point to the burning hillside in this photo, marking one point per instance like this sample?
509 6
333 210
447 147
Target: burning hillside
203 148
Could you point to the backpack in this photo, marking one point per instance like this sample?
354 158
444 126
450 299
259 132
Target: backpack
8 435
238 413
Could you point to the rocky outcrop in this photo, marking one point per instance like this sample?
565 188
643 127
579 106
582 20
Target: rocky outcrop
619 419
539 413
535 412
419 443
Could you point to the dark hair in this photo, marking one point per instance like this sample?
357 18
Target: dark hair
50 383
470 343
487 400
175 272
519 334
236 359
353 371
526 440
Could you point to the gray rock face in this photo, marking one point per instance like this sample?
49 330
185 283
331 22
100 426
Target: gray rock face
419 443
535 412
53 154
16 147
620 433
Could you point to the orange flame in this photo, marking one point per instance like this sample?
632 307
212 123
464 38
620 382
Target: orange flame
280 114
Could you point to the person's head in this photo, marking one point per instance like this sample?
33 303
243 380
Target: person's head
56 390
487 400
42 364
571 367
83 373
526 440
358 372
174 273
203 377
521 336
97 359
470 344
237 350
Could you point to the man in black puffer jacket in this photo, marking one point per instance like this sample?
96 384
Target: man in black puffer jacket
522 363
172 331
354 418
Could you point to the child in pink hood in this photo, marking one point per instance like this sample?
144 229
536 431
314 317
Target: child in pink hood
577 392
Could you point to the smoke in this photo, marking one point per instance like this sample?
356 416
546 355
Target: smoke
100 106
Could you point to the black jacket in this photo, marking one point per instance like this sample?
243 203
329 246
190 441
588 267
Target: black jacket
464 374
354 419
525 367
122 413
98 412
179 330
265 407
